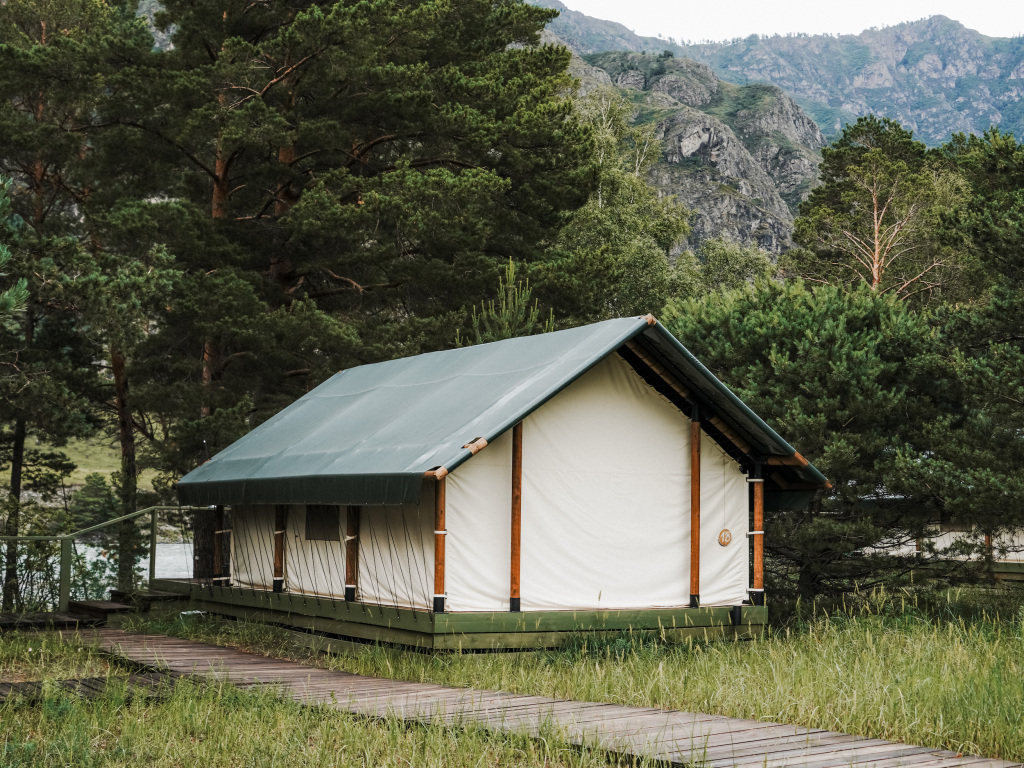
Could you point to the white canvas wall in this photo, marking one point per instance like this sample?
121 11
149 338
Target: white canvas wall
477 516
725 505
396 553
314 567
252 546
606 488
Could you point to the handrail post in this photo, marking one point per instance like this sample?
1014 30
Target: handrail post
152 547
64 594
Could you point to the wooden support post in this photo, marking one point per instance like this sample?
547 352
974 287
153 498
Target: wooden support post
757 589
280 528
695 439
517 514
352 554
439 534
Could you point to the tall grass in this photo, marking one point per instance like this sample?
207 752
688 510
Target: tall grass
50 656
224 727
948 674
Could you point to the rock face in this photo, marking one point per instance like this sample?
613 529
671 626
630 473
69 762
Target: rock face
740 157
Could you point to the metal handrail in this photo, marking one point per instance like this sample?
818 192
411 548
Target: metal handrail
67 539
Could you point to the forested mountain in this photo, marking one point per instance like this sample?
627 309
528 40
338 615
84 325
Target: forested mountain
739 157
934 75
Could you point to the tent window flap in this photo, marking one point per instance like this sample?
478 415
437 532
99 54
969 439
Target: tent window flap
323 522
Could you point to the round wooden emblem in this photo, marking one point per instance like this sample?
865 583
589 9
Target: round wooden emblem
724 537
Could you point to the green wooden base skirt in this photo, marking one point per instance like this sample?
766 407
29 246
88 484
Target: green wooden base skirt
334 621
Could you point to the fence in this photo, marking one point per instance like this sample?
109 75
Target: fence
38 578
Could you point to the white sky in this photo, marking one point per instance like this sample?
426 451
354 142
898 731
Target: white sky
687 20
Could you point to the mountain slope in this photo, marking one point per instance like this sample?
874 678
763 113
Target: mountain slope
740 157
585 34
934 75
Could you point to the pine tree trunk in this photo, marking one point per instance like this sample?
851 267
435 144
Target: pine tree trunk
202 522
11 597
128 536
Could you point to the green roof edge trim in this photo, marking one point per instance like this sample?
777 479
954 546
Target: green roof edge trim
739 404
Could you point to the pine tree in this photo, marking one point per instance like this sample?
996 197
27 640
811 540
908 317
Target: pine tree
861 382
612 256
347 179
874 220
70 85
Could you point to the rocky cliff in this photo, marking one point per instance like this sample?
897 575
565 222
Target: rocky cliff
740 157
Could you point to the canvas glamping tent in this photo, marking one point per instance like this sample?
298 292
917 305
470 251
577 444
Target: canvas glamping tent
504 494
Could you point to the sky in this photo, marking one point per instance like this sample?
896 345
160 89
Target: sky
694 21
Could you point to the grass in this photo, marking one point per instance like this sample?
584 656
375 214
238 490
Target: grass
96 454
49 656
222 727
945 675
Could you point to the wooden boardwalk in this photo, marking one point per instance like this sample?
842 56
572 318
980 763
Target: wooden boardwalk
678 738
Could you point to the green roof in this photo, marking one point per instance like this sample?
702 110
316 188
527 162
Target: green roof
369 434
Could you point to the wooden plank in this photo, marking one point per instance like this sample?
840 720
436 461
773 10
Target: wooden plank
280 550
759 541
361 631
790 751
298 609
863 756
218 542
553 621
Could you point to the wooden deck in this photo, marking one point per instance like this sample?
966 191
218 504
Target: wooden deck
678 738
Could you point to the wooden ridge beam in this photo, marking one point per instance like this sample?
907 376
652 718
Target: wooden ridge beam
796 460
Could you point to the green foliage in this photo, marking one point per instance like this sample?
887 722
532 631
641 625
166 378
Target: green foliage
14 298
612 254
93 503
992 218
721 265
829 368
512 316
874 218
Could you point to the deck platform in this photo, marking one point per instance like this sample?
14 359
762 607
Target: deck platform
677 738
367 622
10 622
